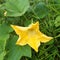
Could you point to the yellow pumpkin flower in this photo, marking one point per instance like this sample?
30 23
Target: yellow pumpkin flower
30 35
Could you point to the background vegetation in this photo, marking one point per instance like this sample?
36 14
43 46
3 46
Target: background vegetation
23 12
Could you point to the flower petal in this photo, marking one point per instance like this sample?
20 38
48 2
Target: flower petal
34 43
44 38
22 41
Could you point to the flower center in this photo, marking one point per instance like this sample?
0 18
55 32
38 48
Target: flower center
31 33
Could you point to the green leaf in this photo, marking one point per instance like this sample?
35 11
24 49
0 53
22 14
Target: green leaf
2 55
4 35
16 8
4 31
41 10
57 21
15 51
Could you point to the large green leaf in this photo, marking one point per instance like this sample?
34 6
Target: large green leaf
15 51
4 35
41 10
16 7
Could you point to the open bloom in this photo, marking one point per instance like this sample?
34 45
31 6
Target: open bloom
30 35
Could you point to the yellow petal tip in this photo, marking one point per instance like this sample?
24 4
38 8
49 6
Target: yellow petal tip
36 50
11 25
37 23
51 38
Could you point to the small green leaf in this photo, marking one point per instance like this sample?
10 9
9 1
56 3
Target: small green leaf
15 51
41 10
16 8
57 21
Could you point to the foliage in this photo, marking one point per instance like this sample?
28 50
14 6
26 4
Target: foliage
23 12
